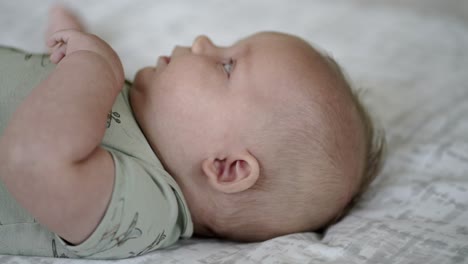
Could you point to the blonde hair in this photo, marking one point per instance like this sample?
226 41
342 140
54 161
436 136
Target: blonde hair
269 209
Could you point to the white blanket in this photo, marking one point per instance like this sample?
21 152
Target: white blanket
412 62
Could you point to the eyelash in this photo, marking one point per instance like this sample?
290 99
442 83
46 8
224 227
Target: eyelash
230 64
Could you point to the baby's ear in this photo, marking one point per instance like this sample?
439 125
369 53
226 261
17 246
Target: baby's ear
232 174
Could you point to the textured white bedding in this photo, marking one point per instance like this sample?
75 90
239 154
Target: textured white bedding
411 57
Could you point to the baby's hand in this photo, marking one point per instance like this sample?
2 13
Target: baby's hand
65 42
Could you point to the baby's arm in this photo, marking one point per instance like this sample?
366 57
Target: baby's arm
50 159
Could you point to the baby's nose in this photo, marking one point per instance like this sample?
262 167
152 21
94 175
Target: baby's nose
201 45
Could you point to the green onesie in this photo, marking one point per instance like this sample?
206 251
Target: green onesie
147 210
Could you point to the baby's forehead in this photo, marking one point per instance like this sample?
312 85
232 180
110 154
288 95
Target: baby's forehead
270 39
283 68
284 58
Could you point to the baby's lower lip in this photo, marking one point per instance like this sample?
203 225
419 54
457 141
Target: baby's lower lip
163 61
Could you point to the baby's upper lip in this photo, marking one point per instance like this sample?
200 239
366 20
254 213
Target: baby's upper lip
180 50
163 61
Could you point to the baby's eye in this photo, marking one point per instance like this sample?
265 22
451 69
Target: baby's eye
228 67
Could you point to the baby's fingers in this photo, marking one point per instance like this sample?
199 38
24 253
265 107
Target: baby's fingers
58 53
61 36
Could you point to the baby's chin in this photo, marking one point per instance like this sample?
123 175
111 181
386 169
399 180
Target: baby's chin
145 72
139 88
143 78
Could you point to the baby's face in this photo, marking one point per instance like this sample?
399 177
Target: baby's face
204 98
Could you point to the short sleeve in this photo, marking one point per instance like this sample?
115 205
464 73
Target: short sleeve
145 213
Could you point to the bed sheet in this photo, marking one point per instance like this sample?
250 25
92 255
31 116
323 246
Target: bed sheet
408 58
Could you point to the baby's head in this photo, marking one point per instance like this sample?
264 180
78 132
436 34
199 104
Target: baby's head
264 137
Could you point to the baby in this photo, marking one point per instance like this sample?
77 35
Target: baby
248 142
